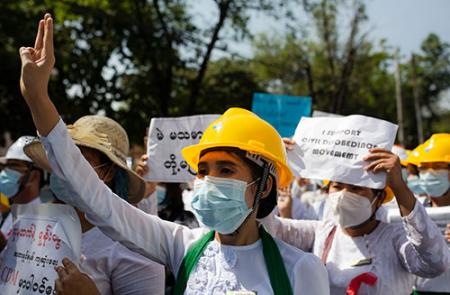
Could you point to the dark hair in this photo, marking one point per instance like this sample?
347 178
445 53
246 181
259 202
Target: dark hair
267 204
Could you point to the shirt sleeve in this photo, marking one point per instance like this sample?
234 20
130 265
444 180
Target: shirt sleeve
136 275
311 277
298 233
159 240
423 250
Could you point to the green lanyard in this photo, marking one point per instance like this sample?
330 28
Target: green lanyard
279 279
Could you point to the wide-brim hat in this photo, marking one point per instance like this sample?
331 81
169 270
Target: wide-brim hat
104 135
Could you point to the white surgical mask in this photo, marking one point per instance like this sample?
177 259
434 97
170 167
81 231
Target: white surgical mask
349 209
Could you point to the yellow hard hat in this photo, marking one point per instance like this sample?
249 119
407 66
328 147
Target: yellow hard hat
414 156
242 129
436 149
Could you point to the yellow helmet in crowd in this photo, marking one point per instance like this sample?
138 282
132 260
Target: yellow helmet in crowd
435 149
414 156
246 131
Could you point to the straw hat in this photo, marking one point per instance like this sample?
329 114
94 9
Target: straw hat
104 135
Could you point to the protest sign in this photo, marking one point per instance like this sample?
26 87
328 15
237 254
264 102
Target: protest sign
166 138
282 111
42 235
440 216
332 148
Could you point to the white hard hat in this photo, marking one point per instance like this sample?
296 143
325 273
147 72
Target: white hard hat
15 151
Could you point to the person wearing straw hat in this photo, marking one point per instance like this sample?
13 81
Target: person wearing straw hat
240 160
113 268
363 254
433 163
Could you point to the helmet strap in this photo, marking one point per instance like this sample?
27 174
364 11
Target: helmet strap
262 184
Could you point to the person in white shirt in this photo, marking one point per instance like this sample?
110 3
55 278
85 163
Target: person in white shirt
114 268
20 180
434 174
235 255
362 254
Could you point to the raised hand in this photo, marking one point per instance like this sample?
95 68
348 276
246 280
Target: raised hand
38 61
284 202
384 160
37 65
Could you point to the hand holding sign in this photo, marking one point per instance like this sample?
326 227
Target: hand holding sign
73 282
333 148
381 160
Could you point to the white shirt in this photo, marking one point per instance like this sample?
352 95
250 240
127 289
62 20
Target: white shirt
438 284
8 223
167 242
118 270
398 251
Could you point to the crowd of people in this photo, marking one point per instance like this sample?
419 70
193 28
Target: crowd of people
249 226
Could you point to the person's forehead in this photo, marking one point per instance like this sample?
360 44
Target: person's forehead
14 162
435 165
89 153
220 156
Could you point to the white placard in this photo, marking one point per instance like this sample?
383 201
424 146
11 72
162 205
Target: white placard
440 216
42 235
166 138
333 148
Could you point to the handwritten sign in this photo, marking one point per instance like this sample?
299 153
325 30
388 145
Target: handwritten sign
440 216
42 235
333 148
282 111
166 138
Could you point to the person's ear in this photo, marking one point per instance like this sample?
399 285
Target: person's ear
269 183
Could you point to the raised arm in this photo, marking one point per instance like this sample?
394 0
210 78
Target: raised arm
422 249
37 65
159 240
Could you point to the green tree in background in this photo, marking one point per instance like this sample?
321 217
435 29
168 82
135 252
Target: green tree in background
137 59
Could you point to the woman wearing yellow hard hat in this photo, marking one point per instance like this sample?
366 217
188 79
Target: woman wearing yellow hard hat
413 179
363 254
240 161
433 162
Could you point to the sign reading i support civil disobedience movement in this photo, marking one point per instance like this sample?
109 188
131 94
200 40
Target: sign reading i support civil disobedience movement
333 148
42 235
166 138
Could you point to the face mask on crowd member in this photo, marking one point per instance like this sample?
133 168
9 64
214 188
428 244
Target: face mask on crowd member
414 184
434 181
20 180
220 203
433 163
351 206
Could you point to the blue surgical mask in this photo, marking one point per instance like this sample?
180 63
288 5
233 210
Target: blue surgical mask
414 185
160 194
219 203
59 188
9 182
434 182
